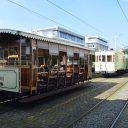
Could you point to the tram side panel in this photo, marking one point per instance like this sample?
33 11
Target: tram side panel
9 79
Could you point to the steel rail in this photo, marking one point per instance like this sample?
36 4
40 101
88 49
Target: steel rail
118 116
69 100
7 100
91 109
6 109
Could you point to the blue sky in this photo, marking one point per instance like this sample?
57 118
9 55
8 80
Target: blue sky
104 15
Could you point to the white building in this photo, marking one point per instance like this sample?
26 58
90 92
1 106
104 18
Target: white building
59 32
96 43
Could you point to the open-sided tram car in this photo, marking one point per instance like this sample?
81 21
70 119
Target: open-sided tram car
32 64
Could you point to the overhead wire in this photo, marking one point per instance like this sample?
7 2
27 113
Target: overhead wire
79 19
122 10
38 14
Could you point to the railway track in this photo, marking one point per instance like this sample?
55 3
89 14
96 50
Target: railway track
118 116
6 104
57 113
71 99
96 105
4 101
7 100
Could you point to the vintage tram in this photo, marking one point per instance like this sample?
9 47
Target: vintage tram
111 62
33 65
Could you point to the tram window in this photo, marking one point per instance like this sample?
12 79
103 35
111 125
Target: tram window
1 53
69 60
13 51
81 61
76 59
113 58
96 58
6 53
25 60
103 58
93 58
76 56
43 60
13 60
54 60
2 58
25 54
53 63
109 58
99 58
25 51
75 62
43 57
13 56
90 59
62 58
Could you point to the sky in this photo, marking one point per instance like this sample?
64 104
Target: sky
102 18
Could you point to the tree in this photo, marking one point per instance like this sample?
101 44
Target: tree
126 51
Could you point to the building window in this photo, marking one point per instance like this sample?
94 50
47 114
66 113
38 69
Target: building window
79 40
70 37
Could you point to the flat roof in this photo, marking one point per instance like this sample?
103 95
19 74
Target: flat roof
62 30
97 37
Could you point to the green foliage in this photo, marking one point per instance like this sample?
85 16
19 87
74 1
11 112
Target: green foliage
126 51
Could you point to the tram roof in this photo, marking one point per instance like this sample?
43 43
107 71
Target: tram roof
38 37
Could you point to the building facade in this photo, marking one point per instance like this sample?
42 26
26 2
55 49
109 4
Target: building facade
96 43
61 33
